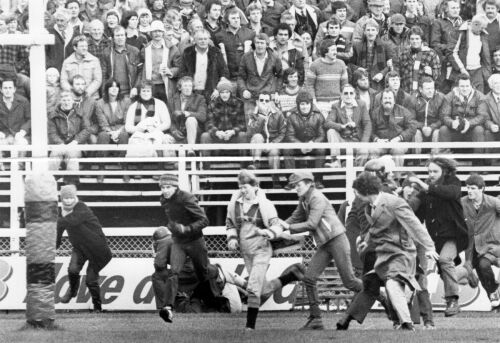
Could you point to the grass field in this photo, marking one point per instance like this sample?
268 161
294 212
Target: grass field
271 327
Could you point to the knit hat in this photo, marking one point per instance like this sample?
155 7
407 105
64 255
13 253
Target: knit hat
303 96
160 233
337 5
398 18
224 85
68 191
169 179
157 25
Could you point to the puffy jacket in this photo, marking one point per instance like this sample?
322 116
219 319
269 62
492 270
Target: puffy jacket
400 123
307 128
429 111
64 129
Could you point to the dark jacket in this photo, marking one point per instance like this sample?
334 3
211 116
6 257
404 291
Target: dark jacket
459 59
216 67
249 78
109 120
489 109
444 36
400 123
85 234
443 213
196 105
338 117
63 129
455 107
272 128
429 111
134 65
182 208
55 54
307 128
234 46
17 118
403 99
225 115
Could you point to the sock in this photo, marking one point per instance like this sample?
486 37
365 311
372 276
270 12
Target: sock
287 278
252 317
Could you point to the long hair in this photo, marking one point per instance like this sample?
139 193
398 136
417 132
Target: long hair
448 166
107 86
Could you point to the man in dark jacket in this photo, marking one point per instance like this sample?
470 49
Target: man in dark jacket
186 220
89 244
285 50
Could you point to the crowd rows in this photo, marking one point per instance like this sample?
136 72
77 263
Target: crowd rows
230 71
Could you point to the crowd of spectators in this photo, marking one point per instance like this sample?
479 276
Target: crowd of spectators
144 72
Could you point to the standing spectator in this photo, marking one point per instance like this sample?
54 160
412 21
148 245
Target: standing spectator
225 119
415 19
392 123
12 25
372 54
348 121
213 22
361 83
404 99
186 220
15 117
428 108
260 71
418 61
326 77
88 244
308 17
471 55
491 110
193 26
53 89
481 213
205 64
444 218
266 125
66 127
110 113
158 10
344 47
90 11
339 11
85 106
189 115
145 19
397 38
57 53
254 13
461 116
271 12
305 124
97 42
81 62
444 35
316 215
13 58
161 62
111 22
286 51
376 13
286 99
233 42
298 40
135 38
122 63
75 24
493 25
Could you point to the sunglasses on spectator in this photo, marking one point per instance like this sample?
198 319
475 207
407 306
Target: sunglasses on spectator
265 100
348 93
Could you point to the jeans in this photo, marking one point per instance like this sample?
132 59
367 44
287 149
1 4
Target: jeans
485 273
197 251
447 266
337 248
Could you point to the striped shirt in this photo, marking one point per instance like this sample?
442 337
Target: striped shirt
324 79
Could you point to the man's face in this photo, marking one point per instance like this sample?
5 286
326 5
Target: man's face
474 192
234 21
61 23
293 80
12 26
3 26
146 93
394 83
157 35
255 16
415 41
282 37
168 190
371 33
376 9
201 40
464 87
302 187
453 9
215 12
264 103
292 23
68 201
398 27
79 86
260 46
333 30
120 38
67 101
476 27
412 5
496 57
225 95
363 83
73 9
348 95
112 21
495 86
196 25
187 88
158 5
306 38
133 22
331 54
82 48
8 89
388 101
144 20
305 107
96 32
299 3
341 14
91 2
427 89
491 11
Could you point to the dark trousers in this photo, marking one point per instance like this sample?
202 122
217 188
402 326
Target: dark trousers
474 134
197 251
76 264
104 138
485 273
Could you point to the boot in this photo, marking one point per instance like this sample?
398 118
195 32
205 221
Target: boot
74 282
295 272
95 293
452 307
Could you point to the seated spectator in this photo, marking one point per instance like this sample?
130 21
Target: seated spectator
393 82
286 99
83 63
361 84
375 14
415 18
397 38
111 21
462 120
194 26
491 8
495 67
66 127
266 125
53 89
98 43
190 113
344 47
428 108
85 105
286 51
147 121
135 38
372 55
490 109
348 121
15 117
225 120
158 10
305 124
91 10
471 55
308 17
145 19
418 61
173 19
213 19
110 113
392 123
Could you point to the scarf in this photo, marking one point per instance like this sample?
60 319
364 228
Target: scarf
149 105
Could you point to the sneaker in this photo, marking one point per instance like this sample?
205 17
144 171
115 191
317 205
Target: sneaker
429 325
249 329
313 324
452 307
333 164
166 314
494 299
407 327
